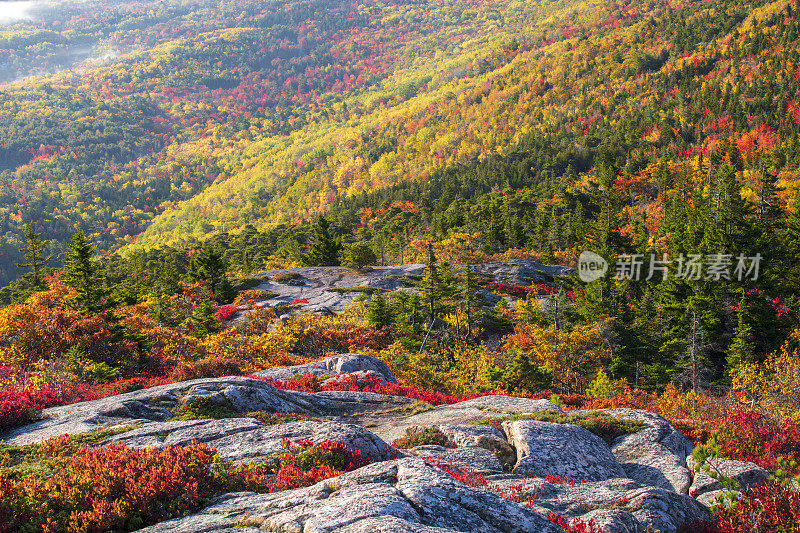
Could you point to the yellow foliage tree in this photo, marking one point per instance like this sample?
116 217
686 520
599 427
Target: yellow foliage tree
774 385
574 357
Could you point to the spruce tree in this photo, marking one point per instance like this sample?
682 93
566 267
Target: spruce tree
469 298
81 275
378 311
741 348
33 251
431 287
208 265
324 250
792 234
203 321
168 279
359 256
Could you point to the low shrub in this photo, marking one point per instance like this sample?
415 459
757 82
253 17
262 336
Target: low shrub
520 290
62 485
203 408
225 312
767 508
603 425
422 437
365 289
282 277
273 419
109 488
302 464
250 297
367 384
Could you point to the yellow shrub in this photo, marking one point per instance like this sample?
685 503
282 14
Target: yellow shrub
774 386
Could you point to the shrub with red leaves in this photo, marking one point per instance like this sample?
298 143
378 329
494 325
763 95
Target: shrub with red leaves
767 508
224 313
303 464
20 404
521 290
115 488
749 436
20 407
366 384
109 488
577 525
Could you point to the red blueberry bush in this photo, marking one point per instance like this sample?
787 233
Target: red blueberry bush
224 313
63 487
767 508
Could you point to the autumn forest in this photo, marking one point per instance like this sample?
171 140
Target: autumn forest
156 158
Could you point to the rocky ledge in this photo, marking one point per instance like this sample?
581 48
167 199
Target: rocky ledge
331 290
637 482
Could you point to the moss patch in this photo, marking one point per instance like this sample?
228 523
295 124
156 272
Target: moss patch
204 408
365 289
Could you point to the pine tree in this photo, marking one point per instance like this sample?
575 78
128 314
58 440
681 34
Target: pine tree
324 250
33 251
81 275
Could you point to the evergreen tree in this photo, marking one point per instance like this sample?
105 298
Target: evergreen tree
469 297
378 311
81 274
695 363
359 256
203 321
324 250
519 374
436 287
208 265
728 220
168 279
791 240
35 260
742 348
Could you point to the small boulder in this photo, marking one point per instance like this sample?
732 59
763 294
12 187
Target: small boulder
746 475
334 367
478 460
468 412
476 435
654 456
267 440
561 450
